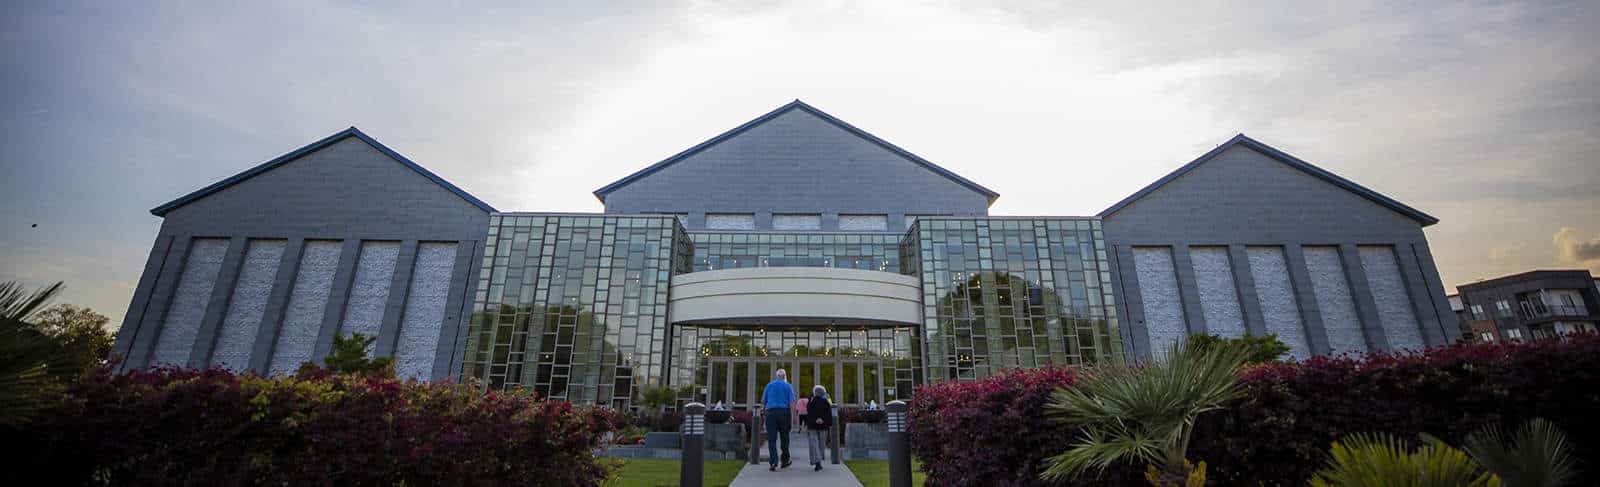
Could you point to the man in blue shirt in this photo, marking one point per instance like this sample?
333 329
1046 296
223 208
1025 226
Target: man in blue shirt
776 398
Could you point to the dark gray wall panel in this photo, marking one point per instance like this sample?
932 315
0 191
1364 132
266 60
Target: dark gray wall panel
189 302
241 324
797 163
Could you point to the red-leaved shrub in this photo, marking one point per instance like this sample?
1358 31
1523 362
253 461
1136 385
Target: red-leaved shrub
993 431
213 427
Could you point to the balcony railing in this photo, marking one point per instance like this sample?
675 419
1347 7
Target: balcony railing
1532 312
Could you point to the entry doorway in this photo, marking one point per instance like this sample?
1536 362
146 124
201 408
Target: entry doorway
739 381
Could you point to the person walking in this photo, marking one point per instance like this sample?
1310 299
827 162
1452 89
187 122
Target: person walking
820 414
777 398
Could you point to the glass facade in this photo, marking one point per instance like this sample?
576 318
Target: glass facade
574 307
879 252
855 363
1004 293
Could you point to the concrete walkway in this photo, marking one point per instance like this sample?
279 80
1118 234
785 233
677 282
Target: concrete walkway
797 475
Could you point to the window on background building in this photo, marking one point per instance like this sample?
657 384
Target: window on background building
1477 312
1486 336
1514 334
730 221
864 223
1504 308
796 222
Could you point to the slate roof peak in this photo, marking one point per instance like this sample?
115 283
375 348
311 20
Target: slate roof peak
313 147
1283 157
797 104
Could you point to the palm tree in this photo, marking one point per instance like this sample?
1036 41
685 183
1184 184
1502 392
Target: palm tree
1537 456
1145 414
1382 460
28 364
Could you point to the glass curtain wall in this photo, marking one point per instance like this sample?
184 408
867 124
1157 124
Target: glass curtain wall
879 252
884 363
1001 293
574 307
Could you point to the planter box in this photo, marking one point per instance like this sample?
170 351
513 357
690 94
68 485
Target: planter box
728 439
867 436
663 439
869 416
718 417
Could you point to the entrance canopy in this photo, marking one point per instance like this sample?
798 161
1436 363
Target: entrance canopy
801 296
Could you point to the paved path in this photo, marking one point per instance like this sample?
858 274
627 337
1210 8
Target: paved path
797 475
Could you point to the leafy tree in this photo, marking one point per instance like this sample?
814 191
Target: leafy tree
30 370
79 332
1261 349
1145 413
349 356
658 398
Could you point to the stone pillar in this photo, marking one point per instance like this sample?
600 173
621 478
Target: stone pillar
691 469
899 445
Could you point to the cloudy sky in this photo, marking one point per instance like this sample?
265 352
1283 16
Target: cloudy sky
1485 115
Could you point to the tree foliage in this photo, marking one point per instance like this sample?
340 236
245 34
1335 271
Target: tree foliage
1537 455
1260 349
80 334
349 356
30 369
1383 460
1145 414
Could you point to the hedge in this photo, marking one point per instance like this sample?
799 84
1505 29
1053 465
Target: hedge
993 431
190 427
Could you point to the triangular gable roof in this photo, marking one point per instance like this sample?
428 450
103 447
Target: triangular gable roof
1285 158
297 153
794 105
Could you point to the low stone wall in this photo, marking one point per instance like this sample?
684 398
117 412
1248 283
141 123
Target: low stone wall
866 440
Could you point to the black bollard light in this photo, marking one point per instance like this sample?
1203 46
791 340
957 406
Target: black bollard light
837 435
693 466
899 445
755 435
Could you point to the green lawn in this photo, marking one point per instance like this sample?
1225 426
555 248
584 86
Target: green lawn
657 472
875 473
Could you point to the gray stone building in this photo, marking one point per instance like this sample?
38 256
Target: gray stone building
258 271
794 241
1249 239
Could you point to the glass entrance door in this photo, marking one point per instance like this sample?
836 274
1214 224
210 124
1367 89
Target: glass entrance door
849 381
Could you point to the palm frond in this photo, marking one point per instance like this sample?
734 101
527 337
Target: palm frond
1381 460
1143 413
1538 455
27 356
